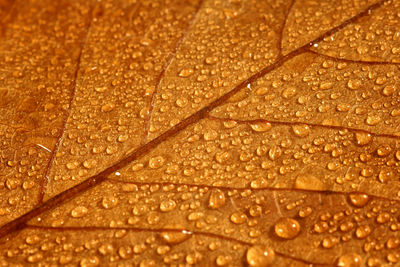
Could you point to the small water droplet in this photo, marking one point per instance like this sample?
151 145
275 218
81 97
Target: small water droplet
350 260
186 72
167 205
217 199
302 130
79 212
156 162
363 138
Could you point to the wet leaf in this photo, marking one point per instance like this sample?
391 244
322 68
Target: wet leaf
228 133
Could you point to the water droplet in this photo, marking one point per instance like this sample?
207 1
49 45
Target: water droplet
325 85
354 84
186 72
385 175
309 182
167 205
363 138
109 202
260 256
383 217
211 60
302 130
107 107
217 199
389 90
329 242
373 120
238 218
72 165
32 239
261 127
384 151
79 212
89 163
350 260
222 157
181 102
156 162
289 92
223 260
175 237
287 228
210 135
35 257
363 231
358 200
274 152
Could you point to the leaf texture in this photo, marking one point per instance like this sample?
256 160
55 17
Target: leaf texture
227 133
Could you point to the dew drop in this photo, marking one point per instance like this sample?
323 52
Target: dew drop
363 138
35 258
309 182
156 162
238 218
384 151
32 239
363 231
373 120
216 199
302 130
210 135
167 205
89 163
175 237
260 256
289 92
358 200
222 157
261 127
350 260
385 175
79 212
72 165
181 102
211 60
354 84
274 153
186 72
389 90
107 107
329 242
109 202
287 228
325 85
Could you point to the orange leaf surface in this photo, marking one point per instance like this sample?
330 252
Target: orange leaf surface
200 132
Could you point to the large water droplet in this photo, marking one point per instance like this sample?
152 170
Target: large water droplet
287 228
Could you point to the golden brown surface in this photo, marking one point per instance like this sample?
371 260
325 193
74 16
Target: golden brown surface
200 132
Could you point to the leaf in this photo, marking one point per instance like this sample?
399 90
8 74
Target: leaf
200 132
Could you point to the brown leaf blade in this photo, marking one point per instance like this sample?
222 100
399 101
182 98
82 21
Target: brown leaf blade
235 187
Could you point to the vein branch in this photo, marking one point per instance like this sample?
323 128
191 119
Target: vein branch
284 26
45 179
164 69
316 125
366 62
271 189
97 179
